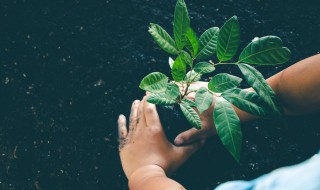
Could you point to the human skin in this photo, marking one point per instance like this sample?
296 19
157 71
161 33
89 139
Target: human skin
148 158
297 89
146 154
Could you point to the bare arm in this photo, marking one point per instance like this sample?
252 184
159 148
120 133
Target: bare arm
147 162
297 88
152 178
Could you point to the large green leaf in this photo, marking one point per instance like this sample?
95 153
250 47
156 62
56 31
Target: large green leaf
208 43
172 91
228 39
203 99
163 39
189 102
228 127
192 43
193 76
255 79
191 115
181 23
160 99
154 82
204 67
223 81
179 69
245 100
267 50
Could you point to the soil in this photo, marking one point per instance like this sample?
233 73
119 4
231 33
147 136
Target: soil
68 68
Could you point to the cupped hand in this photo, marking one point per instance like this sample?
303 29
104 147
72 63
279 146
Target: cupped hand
208 128
146 144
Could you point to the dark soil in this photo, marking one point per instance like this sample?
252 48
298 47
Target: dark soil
68 68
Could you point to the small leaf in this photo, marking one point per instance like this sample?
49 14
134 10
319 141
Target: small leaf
154 82
208 43
204 68
179 69
185 56
163 39
192 76
192 43
191 115
181 23
255 79
189 102
172 91
171 61
228 127
160 99
203 99
228 39
245 100
267 50
223 81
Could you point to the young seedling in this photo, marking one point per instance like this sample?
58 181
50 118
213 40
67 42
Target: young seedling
223 42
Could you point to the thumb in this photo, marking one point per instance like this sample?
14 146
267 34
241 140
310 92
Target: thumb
188 136
188 150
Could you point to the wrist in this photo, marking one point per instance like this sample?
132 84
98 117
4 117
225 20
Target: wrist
141 175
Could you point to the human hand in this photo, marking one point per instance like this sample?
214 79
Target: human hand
145 143
208 128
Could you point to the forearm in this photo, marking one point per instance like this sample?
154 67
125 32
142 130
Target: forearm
152 177
297 88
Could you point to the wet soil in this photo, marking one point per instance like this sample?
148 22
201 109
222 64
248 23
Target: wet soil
69 68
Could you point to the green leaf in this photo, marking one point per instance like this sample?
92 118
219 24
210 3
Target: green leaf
191 115
204 67
203 99
185 56
208 43
163 39
192 43
228 127
223 81
173 91
228 39
267 50
255 79
193 76
181 23
160 99
189 102
245 100
154 82
179 69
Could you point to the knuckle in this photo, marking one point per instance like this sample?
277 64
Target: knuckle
149 110
155 129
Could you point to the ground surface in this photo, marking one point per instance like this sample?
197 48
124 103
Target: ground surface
68 68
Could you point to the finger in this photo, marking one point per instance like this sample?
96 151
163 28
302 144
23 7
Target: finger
122 131
189 136
134 114
188 150
141 118
151 114
122 128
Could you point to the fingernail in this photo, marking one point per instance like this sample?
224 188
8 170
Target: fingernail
136 101
121 116
178 141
